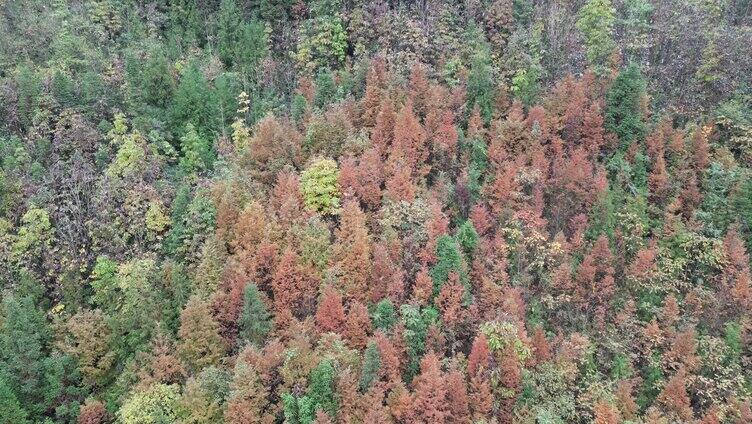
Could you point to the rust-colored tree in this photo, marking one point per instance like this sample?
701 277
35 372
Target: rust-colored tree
594 280
700 147
383 133
711 416
449 302
430 393
330 313
510 380
541 347
419 89
625 400
736 277
294 286
459 409
410 149
399 186
249 398
358 325
675 399
371 102
479 355
481 397
370 178
605 414
93 412
351 253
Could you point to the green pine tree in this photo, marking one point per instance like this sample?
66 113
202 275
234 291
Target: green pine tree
480 86
194 102
371 365
24 336
10 409
384 316
255 320
624 115
321 390
229 31
448 260
596 22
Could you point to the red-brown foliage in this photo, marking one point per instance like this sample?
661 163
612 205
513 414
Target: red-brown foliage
286 200
511 379
370 178
399 186
736 274
605 414
430 394
674 397
352 252
594 280
479 355
330 313
459 412
627 405
93 412
682 353
371 102
358 325
295 286
541 347
700 147
350 403
449 301
390 358
481 397
383 134
409 149
711 416
419 89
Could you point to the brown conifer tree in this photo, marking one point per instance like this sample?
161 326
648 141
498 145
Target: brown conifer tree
370 178
419 89
594 280
351 253
479 355
249 397
449 301
430 393
481 397
675 399
510 378
541 347
358 325
330 313
459 410
605 414
93 412
410 147
737 280
383 134
371 102
294 286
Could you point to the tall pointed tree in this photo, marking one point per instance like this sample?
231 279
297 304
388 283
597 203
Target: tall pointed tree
430 396
200 343
352 252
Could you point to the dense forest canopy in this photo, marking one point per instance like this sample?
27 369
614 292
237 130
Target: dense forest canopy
375 211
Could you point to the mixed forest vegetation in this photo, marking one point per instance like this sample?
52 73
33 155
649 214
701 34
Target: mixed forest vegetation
375 211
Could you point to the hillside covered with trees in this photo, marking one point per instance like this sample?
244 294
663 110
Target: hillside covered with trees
375 211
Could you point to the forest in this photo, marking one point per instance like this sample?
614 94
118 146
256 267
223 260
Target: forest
375 211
